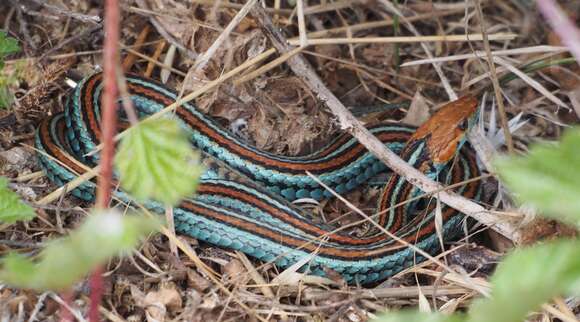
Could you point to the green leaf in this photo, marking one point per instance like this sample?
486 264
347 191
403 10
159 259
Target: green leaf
548 178
8 45
527 278
20 268
67 260
6 97
416 316
156 161
12 208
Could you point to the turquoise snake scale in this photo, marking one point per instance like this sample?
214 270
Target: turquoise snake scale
258 219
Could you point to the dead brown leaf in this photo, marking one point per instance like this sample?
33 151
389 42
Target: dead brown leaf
233 270
196 281
158 304
418 111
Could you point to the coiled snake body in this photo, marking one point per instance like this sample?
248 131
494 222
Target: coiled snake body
255 219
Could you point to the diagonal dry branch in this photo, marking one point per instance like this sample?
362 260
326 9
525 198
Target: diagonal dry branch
348 122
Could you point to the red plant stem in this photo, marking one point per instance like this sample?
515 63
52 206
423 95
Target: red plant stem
108 129
65 314
109 112
96 294
562 25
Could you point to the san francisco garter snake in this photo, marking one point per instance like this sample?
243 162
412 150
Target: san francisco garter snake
252 218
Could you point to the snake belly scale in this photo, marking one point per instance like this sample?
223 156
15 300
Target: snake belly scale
258 219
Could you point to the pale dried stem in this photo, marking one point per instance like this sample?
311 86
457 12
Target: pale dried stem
494 80
402 39
349 123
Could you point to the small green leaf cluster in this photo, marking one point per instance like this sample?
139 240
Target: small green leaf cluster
8 46
12 209
548 179
416 316
66 260
155 161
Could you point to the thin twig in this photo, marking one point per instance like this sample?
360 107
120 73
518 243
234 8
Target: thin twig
67 13
530 81
500 107
66 314
125 96
39 304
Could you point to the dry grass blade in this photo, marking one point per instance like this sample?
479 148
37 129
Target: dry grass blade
301 23
291 276
168 61
387 292
75 312
379 24
477 54
494 79
267 291
75 183
155 62
401 40
269 66
439 223
530 81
